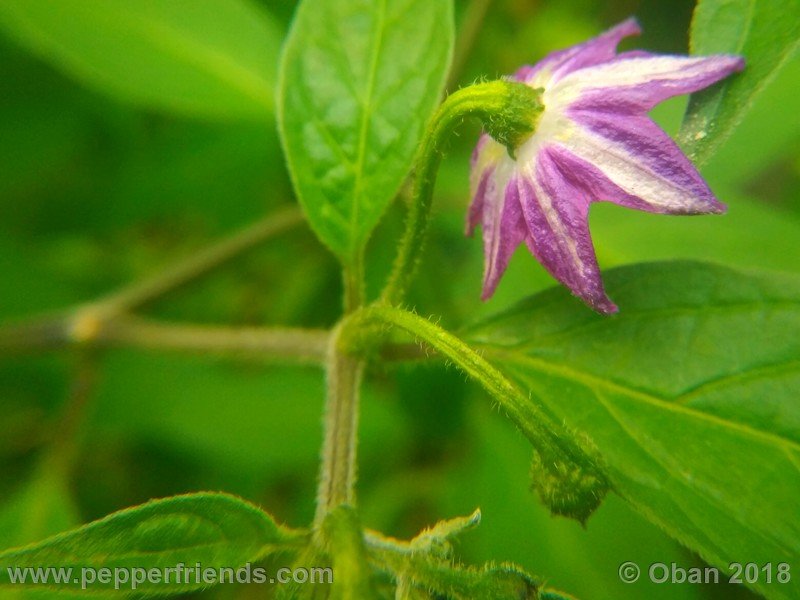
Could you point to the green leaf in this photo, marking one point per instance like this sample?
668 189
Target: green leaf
211 58
43 506
691 394
359 80
216 530
186 417
766 33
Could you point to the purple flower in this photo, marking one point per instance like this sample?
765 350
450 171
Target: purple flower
593 141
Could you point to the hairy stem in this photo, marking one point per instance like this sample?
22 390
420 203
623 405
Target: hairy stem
270 343
338 470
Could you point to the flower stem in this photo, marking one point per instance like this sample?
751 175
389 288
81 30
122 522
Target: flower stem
508 111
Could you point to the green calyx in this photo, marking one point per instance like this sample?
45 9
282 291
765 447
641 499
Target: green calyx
515 119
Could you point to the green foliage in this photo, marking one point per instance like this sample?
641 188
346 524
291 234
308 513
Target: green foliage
212 58
687 395
424 567
216 530
42 506
766 33
359 80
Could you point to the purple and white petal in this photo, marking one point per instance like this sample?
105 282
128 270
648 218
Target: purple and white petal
556 209
503 231
476 207
481 169
637 83
558 64
631 161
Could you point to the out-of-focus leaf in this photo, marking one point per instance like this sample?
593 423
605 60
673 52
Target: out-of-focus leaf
766 33
41 507
211 58
216 530
359 79
246 418
691 395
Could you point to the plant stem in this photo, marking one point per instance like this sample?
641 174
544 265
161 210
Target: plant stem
353 282
272 343
509 112
338 469
343 373
305 346
64 448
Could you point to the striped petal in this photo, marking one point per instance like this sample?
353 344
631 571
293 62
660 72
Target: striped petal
503 230
555 206
559 64
631 161
636 83
496 209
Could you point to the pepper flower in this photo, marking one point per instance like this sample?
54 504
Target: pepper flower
593 141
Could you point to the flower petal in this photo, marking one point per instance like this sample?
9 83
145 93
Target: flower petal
636 83
556 209
558 64
633 162
495 208
503 230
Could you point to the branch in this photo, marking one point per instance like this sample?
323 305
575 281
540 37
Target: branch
137 294
84 324
293 345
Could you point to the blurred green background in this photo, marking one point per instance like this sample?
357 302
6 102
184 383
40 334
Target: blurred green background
98 190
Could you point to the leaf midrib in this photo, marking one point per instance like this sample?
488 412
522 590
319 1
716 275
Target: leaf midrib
366 116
